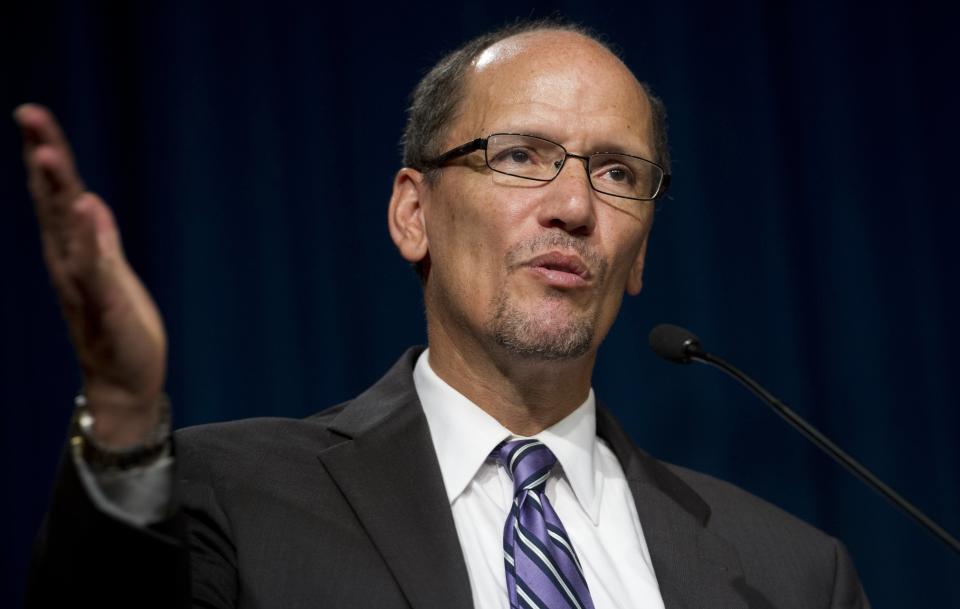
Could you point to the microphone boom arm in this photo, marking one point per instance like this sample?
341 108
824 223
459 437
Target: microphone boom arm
694 352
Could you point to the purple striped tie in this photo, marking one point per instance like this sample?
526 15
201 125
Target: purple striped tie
543 571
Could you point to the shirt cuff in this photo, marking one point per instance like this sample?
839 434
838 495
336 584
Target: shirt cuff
139 496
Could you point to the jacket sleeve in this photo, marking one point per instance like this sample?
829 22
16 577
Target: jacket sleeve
85 556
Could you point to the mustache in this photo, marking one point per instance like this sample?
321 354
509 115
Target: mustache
520 252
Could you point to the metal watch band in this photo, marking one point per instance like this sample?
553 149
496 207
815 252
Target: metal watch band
103 458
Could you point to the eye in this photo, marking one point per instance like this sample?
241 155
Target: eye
620 174
523 156
517 156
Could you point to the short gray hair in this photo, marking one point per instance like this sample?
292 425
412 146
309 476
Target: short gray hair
437 97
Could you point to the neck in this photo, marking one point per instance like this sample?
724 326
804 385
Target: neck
525 394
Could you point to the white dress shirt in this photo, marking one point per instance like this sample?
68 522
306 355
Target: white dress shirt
588 491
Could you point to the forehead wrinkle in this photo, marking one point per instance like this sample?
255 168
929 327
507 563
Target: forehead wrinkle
550 122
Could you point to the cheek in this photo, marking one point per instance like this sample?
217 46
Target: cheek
468 235
626 243
615 287
480 216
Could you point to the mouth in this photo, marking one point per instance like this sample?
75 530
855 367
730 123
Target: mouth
561 270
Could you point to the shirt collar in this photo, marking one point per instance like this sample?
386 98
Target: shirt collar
464 435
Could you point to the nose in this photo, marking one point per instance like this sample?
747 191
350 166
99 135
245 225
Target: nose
569 200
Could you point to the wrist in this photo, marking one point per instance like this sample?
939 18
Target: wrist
120 419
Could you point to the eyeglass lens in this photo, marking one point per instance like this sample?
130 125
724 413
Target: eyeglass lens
538 159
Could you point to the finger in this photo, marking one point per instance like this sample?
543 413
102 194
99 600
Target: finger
52 180
82 259
47 155
39 126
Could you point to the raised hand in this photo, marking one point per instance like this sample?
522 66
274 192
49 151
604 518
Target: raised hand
115 326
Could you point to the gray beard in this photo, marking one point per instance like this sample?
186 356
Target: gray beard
529 335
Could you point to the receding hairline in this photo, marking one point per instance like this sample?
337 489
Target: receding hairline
518 48
554 32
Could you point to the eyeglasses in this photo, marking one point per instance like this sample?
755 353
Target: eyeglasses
534 158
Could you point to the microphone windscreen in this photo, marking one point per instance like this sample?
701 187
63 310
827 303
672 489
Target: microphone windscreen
670 342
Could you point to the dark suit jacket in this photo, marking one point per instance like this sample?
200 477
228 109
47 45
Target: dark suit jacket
347 509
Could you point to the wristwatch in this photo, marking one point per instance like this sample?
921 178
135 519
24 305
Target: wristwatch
101 458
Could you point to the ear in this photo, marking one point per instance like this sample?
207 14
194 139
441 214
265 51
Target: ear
635 280
405 214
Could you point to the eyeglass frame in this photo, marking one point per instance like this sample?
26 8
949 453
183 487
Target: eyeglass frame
480 143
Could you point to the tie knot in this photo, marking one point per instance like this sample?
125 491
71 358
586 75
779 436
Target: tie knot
529 462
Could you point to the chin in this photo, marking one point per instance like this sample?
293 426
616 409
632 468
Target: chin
543 332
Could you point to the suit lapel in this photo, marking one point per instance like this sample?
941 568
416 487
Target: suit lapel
387 470
694 567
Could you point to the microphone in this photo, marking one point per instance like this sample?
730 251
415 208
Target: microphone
675 344
681 346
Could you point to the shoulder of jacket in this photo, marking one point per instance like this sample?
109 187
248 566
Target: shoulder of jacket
242 438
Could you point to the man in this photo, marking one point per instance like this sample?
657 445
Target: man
532 159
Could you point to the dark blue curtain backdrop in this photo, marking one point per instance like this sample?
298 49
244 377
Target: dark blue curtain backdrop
248 150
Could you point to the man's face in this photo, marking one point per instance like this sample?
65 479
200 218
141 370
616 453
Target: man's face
536 268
